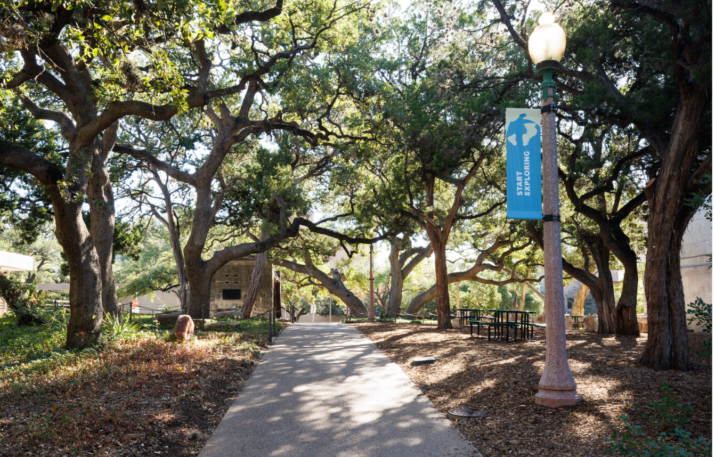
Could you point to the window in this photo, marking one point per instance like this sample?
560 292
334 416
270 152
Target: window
231 294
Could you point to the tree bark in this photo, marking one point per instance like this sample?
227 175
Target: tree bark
667 345
626 309
442 282
396 279
522 303
603 294
579 300
256 276
102 216
85 324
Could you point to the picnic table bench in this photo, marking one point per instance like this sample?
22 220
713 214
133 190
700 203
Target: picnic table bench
496 325
577 322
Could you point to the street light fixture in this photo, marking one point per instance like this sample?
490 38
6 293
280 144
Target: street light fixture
557 387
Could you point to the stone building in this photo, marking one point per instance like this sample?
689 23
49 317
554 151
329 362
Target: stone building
230 284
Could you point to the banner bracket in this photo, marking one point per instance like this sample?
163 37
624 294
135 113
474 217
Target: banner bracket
552 217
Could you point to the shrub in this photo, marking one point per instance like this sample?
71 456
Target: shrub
115 327
703 315
670 419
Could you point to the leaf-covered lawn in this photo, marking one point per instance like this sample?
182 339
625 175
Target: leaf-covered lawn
141 395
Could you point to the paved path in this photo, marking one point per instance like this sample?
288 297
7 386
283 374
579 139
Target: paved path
325 390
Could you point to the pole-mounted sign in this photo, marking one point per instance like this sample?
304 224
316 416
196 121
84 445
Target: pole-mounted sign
523 163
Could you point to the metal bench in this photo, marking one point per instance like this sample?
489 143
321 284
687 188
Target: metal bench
489 325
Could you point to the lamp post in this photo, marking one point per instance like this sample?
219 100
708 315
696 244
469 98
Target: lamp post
371 314
557 387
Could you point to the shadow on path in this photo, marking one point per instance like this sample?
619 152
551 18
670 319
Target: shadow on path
326 390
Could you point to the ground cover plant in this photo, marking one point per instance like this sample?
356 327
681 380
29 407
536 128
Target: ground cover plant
501 380
139 393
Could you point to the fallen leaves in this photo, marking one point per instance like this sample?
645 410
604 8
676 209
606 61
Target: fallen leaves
501 379
140 397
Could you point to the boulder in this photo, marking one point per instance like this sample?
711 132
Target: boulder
569 321
167 317
200 322
590 323
222 325
184 328
455 323
233 313
540 319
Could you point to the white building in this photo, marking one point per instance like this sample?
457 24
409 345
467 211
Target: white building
13 262
696 259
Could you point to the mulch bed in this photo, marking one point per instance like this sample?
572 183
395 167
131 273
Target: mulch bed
501 379
145 397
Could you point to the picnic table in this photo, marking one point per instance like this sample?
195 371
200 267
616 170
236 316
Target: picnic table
577 323
466 314
505 320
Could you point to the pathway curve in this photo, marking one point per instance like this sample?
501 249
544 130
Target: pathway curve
325 390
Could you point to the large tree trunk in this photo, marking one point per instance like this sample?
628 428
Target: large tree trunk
200 296
85 324
197 269
102 216
579 300
396 279
442 283
626 310
256 276
604 295
667 345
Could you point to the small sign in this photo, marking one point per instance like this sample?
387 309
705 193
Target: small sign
312 309
523 164
135 303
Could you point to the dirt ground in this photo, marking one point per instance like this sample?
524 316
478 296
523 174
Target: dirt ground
501 379
144 397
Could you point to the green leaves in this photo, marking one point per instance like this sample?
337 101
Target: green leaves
670 419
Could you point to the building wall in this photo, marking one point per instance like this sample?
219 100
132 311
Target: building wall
237 275
695 261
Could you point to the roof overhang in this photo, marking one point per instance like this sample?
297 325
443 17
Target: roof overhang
15 262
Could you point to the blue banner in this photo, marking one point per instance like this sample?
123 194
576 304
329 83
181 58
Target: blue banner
523 164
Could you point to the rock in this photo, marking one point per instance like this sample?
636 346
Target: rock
194 435
230 313
455 323
417 361
590 323
167 317
569 321
222 325
184 328
540 319
205 322
232 388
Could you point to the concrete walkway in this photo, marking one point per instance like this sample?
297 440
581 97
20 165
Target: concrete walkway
326 390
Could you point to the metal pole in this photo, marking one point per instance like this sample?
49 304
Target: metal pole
557 386
330 308
371 316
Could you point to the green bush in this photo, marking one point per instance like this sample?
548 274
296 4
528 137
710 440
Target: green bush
116 327
703 315
670 419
